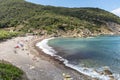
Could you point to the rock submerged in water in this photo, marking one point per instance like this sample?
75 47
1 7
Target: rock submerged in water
112 77
107 72
95 79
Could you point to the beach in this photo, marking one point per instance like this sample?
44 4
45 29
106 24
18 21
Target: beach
23 53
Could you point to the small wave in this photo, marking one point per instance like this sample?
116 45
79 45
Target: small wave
45 48
87 71
90 37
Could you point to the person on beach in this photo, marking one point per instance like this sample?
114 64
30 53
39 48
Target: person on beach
17 46
21 44
15 51
34 58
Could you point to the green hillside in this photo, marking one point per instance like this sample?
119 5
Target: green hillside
10 72
20 15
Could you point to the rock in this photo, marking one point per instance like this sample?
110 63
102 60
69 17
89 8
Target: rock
95 79
107 72
111 77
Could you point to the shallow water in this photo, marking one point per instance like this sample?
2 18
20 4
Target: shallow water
95 52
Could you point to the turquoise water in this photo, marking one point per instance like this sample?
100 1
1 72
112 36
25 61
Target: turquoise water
95 52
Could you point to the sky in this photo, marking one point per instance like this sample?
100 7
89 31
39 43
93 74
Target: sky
109 5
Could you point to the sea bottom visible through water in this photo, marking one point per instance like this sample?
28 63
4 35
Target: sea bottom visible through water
87 55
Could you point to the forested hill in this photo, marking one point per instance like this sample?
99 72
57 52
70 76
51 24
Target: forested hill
20 15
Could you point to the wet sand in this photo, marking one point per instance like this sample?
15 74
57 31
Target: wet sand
36 64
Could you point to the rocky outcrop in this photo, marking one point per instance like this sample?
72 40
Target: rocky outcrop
114 27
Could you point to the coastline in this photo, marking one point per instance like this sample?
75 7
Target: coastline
34 62
60 64
91 72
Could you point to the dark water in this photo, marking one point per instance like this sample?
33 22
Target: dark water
93 52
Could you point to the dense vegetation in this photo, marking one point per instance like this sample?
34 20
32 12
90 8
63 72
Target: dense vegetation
9 72
88 14
29 17
7 34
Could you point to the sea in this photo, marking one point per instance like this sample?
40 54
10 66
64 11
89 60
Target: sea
86 55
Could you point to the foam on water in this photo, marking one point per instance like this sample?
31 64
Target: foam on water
45 48
87 71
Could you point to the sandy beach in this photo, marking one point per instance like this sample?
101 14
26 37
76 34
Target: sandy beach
22 52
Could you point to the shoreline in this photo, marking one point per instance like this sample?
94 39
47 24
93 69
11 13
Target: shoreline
34 62
65 63
57 62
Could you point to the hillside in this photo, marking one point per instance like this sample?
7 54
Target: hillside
22 16
10 72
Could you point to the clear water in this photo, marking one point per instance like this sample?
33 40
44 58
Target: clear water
93 52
